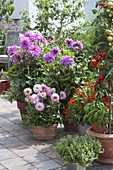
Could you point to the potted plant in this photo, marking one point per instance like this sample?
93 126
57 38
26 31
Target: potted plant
43 105
97 114
102 64
37 60
81 97
81 150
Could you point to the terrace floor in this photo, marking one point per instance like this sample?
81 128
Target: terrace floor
19 150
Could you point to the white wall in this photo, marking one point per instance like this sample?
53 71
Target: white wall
89 7
28 5
32 12
19 5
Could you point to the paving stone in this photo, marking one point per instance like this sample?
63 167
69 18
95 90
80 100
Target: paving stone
29 140
9 163
12 128
6 154
12 118
5 122
25 151
39 157
23 167
5 134
43 147
1 130
16 145
1 167
8 140
20 132
52 154
49 165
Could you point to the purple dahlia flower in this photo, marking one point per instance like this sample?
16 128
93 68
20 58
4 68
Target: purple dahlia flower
77 46
28 34
34 51
44 87
37 37
69 42
37 88
18 56
27 91
67 61
24 42
54 97
51 91
12 49
62 95
49 58
55 51
34 99
39 106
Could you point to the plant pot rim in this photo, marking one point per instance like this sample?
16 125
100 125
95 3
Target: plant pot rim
54 125
90 132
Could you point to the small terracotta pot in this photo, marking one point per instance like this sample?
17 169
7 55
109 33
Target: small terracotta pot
107 143
4 85
43 133
69 127
21 107
100 129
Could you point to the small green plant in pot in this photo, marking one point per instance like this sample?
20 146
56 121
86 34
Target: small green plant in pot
97 115
82 150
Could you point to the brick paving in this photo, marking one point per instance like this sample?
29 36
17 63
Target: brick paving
19 150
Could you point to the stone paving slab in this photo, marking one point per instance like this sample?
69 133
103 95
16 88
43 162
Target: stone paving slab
19 150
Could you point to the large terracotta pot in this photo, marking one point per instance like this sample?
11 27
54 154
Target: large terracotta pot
107 143
43 133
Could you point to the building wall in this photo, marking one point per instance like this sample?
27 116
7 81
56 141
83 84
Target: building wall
89 7
19 5
28 5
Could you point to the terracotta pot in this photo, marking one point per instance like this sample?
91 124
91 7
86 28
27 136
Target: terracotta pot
42 133
97 129
69 127
4 85
21 107
107 143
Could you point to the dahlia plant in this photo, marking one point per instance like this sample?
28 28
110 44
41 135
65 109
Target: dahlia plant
64 68
26 63
39 61
43 104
